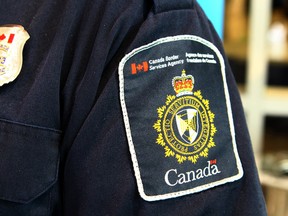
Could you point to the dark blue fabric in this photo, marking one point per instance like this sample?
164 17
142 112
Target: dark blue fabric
29 156
166 5
66 99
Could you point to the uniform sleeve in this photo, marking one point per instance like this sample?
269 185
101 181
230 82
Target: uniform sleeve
98 174
121 107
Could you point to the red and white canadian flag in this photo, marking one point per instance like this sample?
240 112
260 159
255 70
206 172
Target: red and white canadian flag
142 67
9 38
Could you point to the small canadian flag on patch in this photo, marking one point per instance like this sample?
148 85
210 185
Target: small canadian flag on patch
213 161
10 38
142 67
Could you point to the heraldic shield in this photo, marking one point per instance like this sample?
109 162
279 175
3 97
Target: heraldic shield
187 124
12 41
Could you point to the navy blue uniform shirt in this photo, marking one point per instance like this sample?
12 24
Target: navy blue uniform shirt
121 108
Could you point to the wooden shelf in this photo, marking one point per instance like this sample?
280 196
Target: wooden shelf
238 50
276 101
258 98
273 181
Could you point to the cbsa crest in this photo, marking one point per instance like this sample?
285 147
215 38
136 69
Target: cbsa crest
12 41
187 124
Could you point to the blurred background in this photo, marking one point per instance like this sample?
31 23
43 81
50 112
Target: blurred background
254 34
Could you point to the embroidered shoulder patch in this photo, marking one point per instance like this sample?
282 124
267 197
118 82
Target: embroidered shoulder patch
178 117
12 40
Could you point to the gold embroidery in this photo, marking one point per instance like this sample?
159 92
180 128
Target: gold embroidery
185 124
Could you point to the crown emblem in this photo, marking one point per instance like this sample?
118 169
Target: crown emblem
184 84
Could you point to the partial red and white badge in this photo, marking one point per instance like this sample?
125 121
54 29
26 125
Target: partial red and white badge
178 117
12 41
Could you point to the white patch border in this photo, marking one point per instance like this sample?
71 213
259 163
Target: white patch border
127 123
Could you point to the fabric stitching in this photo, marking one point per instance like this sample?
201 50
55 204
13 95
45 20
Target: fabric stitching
127 124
